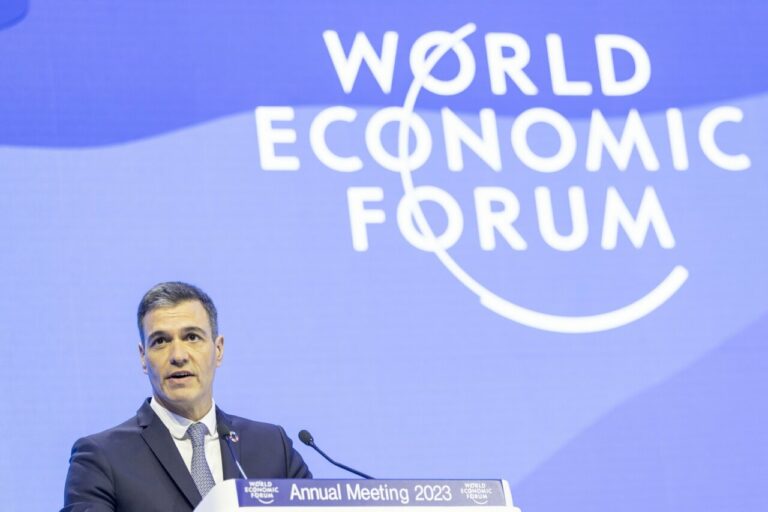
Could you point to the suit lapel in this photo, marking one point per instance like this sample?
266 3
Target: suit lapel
161 443
224 424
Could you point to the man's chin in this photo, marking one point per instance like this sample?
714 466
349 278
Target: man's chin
178 397
181 397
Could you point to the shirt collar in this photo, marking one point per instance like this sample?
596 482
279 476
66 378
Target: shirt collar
178 425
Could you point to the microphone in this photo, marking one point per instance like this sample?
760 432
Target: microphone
306 438
231 437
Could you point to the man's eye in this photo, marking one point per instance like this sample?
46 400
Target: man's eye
193 337
157 341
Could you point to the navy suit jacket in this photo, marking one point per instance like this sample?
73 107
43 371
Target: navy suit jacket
136 467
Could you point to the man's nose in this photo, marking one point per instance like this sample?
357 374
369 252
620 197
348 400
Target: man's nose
179 354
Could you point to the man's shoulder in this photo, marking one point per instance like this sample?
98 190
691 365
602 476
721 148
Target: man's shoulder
265 448
126 432
240 424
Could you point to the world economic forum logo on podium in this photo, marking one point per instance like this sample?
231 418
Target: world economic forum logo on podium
477 492
498 208
262 491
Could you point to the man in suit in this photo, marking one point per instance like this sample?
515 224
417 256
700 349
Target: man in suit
168 456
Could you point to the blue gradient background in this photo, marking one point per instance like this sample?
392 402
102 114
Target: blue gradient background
128 156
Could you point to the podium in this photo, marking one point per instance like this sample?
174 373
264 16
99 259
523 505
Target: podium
359 495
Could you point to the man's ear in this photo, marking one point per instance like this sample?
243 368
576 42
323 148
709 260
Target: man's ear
143 357
218 345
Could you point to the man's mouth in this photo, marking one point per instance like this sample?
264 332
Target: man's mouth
180 376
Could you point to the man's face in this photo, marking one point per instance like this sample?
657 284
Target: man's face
181 358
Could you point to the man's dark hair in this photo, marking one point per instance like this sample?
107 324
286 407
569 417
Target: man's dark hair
165 295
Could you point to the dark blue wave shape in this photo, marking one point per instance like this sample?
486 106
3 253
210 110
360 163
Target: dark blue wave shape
12 12
91 73
696 442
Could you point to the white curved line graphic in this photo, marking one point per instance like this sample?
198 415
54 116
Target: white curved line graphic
547 322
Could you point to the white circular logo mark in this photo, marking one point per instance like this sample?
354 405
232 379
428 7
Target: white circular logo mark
536 319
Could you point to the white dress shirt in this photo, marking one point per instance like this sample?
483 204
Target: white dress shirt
178 425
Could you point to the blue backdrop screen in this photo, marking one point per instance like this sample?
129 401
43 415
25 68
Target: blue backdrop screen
519 240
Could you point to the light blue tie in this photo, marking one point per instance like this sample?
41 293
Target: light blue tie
201 473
